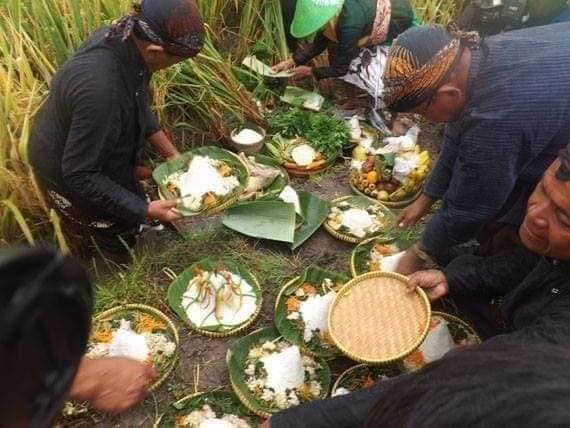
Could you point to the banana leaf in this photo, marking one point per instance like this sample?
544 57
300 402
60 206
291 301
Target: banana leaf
179 286
300 97
270 218
291 329
254 64
361 254
274 220
164 170
277 186
237 356
221 402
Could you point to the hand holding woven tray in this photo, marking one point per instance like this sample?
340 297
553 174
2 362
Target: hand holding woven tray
376 320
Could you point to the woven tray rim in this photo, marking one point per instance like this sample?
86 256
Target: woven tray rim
389 204
457 320
163 317
379 361
240 328
365 242
349 238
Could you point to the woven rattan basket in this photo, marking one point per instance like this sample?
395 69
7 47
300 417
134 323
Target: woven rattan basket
390 204
376 320
105 315
351 238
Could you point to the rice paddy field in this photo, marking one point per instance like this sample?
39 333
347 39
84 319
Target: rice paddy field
199 102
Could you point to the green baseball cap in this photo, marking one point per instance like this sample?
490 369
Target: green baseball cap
312 15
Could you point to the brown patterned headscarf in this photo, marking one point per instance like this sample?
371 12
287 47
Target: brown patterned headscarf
420 61
176 25
563 172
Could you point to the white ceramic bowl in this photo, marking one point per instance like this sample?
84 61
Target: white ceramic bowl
252 148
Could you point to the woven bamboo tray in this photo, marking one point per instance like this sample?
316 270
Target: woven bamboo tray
231 332
386 370
219 208
389 204
109 314
452 319
376 320
350 238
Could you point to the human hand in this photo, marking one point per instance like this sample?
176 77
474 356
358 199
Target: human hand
266 423
283 65
409 263
415 212
301 72
164 211
433 282
112 384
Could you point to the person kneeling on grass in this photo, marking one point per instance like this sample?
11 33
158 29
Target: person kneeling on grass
526 358
88 134
45 320
505 101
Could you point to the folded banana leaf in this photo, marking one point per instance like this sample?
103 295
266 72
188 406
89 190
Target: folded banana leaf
300 97
259 67
275 220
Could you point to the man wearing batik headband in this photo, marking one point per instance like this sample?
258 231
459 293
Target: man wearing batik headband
88 134
504 100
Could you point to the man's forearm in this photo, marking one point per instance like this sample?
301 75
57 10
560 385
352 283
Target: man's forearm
163 145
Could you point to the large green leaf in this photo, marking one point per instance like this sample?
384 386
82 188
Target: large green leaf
237 355
300 97
274 220
164 170
289 329
179 286
315 212
221 402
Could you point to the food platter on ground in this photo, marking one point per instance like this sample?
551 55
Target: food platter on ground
375 254
266 177
215 409
391 321
300 97
301 310
269 374
393 173
355 218
216 297
363 376
136 331
363 133
446 332
306 143
207 180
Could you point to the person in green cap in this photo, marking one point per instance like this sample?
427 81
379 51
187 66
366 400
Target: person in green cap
357 34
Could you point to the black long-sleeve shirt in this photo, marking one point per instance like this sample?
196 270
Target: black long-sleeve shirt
87 135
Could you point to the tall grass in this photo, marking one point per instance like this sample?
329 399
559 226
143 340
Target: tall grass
436 11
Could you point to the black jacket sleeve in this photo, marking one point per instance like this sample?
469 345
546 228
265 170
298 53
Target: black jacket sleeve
489 276
95 119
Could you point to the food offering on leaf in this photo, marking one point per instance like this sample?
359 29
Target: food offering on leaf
216 409
302 307
446 332
376 254
216 297
203 180
362 133
265 177
355 218
304 142
270 374
137 332
392 173
363 376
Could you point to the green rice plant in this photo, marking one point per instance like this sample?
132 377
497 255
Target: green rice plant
436 11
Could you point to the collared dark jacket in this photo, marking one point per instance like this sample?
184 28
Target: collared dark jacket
534 290
87 135
516 120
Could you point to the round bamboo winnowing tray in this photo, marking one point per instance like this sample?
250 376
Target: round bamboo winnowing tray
376 320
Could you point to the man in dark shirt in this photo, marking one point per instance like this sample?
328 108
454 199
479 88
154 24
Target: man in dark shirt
87 136
505 102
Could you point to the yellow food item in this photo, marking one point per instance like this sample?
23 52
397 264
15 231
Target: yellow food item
149 324
383 195
105 335
359 154
293 304
372 177
225 170
210 201
309 289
